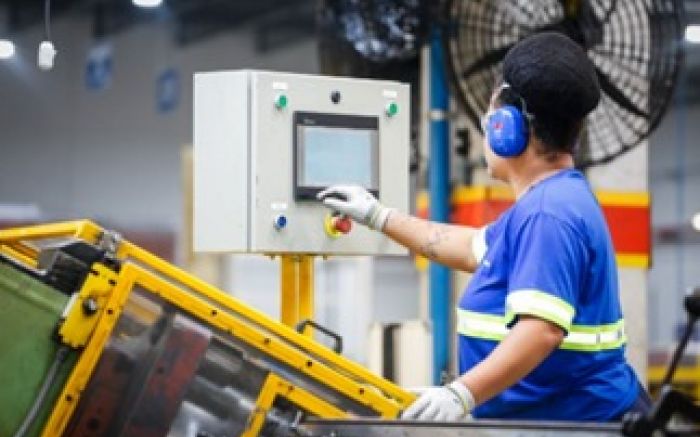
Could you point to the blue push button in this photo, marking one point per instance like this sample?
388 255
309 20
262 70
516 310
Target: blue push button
280 222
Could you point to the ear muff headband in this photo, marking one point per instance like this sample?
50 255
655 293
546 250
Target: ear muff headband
507 128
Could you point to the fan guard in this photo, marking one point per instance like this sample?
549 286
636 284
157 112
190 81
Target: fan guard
635 46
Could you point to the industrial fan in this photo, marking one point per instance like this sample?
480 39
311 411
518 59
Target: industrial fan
635 46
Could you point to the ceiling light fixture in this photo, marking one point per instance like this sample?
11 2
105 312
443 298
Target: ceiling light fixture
47 52
692 33
147 3
7 49
696 221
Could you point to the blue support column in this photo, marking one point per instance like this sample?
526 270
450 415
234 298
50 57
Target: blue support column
439 187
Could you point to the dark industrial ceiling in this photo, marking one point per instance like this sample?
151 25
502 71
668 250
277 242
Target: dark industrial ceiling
276 22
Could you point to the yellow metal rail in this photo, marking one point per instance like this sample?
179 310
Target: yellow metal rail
275 387
216 308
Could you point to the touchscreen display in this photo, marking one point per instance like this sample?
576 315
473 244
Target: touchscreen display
338 156
332 149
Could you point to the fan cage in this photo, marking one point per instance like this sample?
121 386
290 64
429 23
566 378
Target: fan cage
635 46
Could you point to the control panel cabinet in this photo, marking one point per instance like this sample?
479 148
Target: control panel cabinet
266 143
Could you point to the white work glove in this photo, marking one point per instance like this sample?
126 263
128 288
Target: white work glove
357 203
452 402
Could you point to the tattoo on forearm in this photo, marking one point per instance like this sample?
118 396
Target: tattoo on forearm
436 236
437 233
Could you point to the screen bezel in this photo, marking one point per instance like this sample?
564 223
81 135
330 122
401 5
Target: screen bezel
342 121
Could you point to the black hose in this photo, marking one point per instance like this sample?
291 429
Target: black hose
61 355
678 354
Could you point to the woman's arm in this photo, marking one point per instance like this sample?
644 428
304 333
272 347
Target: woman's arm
529 342
446 244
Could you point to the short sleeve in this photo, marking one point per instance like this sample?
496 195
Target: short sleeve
547 266
479 245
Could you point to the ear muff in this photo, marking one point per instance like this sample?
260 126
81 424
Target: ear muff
507 131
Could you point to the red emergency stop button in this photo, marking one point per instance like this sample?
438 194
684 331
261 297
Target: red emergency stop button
342 224
337 225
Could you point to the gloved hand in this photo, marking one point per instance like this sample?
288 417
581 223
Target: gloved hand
357 203
449 403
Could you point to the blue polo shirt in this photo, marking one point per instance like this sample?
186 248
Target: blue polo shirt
550 255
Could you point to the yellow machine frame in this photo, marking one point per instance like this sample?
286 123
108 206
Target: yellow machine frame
205 302
686 378
297 286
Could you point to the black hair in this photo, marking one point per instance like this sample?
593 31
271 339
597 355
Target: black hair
557 134
559 85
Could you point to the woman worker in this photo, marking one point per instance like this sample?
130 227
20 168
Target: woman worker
541 332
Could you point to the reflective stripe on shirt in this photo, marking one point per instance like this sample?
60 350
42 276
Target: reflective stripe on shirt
540 304
585 338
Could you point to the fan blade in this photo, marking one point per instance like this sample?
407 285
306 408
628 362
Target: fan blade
616 95
495 56
573 9
489 59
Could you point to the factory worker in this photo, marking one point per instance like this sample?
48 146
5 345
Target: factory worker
541 332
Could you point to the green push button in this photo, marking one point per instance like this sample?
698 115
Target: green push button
281 101
392 108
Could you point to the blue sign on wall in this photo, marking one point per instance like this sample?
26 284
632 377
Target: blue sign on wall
98 67
167 90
